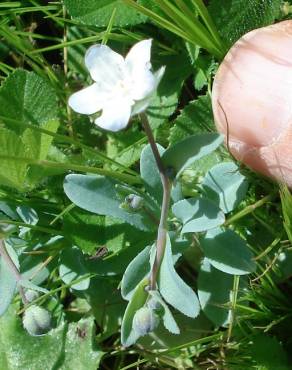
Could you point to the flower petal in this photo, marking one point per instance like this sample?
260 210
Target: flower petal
140 106
139 55
115 116
106 67
88 101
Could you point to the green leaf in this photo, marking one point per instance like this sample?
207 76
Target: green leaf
167 317
136 271
72 267
64 348
234 18
227 252
198 214
128 335
97 194
173 289
7 286
195 118
286 201
85 230
98 14
150 173
225 185
213 296
12 171
268 353
182 154
28 98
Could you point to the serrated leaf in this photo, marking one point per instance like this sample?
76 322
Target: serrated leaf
225 185
227 252
97 194
173 289
195 118
198 214
167 317
63 348
234 18
136 271
98 14
150 173
28 98
72 267
128 335
182 154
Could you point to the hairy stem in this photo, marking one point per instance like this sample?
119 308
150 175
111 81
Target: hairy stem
166 184
8 260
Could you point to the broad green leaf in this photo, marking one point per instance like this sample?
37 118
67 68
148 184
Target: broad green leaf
128 335
38 144
182 154
98 14
173 289
225 185
150 173
198 214
215 291
195 118
167 317
234 18
268 353
28 98
72 267
137 270
12 171
97 194
86 230
227 252
106 305
64 348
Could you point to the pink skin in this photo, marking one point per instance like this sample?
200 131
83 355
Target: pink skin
252 91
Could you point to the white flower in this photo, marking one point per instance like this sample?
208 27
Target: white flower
122 86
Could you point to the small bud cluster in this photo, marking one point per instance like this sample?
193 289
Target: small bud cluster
36 320
132 203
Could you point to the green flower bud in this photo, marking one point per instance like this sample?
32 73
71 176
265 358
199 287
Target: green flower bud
36 320
132 202
145 321
31 295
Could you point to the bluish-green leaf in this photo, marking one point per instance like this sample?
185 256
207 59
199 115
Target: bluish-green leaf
7 286
215 293
128 335
173 289
72 267
150 173
97 194
198 214
167 317
136 271
184 153
225 185
228 252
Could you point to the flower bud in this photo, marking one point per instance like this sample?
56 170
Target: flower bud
145 321
36 320
153 304
132 202
31 295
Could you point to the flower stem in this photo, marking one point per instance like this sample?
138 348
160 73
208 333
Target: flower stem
166 184
8 260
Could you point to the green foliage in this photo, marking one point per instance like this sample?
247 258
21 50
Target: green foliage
63 348
227 252
91 13
234 18
173 289
182 154
198 214
225 185
7 286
